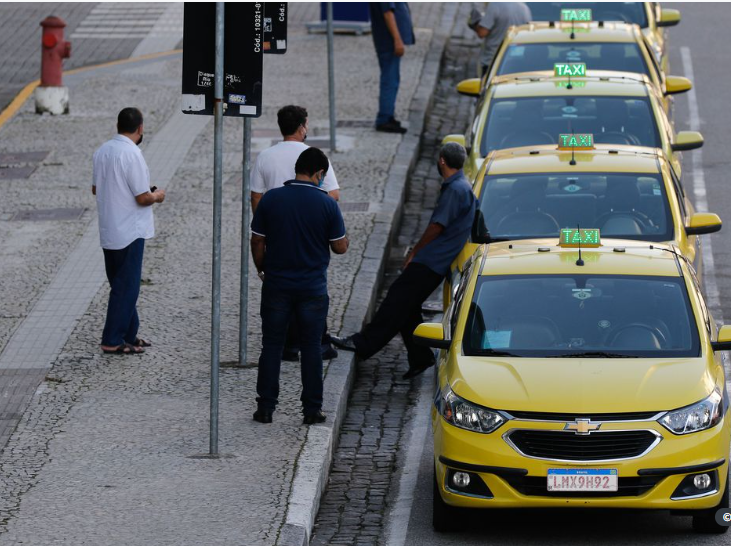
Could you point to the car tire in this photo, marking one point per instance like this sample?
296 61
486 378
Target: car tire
705 521
444 516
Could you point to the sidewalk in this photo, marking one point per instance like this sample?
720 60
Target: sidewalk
103 452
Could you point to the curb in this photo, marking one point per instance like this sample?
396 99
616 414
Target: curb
312 467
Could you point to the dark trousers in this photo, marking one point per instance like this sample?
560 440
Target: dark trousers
277 309
400 313
390 66
292 342
124 272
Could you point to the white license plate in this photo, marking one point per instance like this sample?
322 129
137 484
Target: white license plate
582 479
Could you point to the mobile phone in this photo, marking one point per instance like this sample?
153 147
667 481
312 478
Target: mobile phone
153 189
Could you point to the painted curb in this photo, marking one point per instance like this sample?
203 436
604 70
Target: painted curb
312 467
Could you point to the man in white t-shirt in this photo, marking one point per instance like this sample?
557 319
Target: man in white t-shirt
275 166
121 183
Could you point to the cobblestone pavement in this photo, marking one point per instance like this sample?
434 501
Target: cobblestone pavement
362 479
101 454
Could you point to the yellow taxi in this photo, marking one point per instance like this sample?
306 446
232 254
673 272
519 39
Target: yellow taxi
628 192
531 110
649 16
603 48
576 372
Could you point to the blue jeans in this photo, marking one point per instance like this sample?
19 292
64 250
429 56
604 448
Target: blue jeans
124 272
390 77
277 308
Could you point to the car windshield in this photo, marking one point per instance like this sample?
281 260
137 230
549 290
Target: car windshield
621 205
592 316
515 122
621 57
627 12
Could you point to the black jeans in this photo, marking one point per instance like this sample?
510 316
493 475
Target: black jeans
124 272
277 308
400 312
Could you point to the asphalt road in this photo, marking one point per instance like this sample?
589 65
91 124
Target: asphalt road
700 43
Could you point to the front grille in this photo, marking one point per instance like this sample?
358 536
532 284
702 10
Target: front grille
627 487
544 416
569 446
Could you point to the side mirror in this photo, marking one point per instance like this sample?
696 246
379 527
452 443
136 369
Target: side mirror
723 342
459 139
687 140
480 233
703 222
668 18
431 334
471 87
677 84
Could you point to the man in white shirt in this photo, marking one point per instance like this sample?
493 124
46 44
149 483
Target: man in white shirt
121 183
275 166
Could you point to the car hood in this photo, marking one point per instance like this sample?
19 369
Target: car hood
581 385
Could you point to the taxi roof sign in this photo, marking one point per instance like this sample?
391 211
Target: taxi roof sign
570 14
576 141
569 69
579 238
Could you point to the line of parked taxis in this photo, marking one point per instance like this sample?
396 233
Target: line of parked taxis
579 365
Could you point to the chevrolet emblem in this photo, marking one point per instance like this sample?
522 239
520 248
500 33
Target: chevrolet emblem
582 426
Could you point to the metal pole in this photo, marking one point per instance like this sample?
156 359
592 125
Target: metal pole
244 290
331 73
217 202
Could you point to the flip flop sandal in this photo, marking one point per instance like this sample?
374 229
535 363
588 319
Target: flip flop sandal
124 349
139 342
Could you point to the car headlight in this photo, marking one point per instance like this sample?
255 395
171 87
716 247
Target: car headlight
464 414
696 417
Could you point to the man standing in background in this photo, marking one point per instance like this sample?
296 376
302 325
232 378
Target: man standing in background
494 25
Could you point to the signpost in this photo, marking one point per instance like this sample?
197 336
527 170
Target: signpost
331 73
275 27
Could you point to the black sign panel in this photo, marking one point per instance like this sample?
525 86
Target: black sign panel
275 27
242 58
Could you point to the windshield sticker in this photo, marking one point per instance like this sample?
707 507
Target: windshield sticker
656 189
496 339
516 51
581 293
569 109
604 324
571 188
573 55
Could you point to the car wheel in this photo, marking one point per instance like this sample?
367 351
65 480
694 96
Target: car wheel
705 520
444 516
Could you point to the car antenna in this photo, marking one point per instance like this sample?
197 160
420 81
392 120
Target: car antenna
573 36
579 262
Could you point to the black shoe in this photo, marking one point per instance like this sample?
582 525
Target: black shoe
413 372
263 416
391 126
329 353
394 120
344 343
315 418
290 356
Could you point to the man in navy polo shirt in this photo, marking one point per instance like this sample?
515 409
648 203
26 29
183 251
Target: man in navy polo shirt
293 230
424 270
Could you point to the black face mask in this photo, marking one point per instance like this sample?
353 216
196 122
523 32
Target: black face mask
140 140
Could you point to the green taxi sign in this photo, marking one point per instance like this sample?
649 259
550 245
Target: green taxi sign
569 14
576 141
568 84
569 69
579 238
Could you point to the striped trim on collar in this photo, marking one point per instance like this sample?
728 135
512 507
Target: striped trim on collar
308 184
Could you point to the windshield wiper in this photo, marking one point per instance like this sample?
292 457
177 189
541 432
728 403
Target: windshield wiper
592 354
488 352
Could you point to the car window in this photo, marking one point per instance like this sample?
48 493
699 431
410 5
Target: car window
581 315
622 57
459 296
627 12
621 205
539 120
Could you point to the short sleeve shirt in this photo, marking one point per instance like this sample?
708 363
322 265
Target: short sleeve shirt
455 211
120 174
498 18
275 165
298 221
381 36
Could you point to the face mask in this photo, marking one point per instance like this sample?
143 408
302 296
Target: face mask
140 140
304 137
321 181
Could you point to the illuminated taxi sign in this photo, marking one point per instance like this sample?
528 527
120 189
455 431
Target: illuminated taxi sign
577 141
564 84
575 238
569 69
568 14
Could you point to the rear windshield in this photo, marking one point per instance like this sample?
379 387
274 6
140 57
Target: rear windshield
627 12
622 206
608 316
539 120
624 57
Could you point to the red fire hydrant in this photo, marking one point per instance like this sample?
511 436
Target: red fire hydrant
51 96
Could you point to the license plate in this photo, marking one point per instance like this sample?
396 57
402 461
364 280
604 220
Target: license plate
582 479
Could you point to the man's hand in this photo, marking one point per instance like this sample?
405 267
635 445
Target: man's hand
150 198
398 48
159 195
398 43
